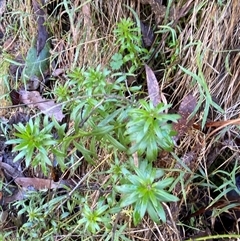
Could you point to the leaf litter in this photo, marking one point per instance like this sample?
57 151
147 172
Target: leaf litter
186 108
153 88
48 107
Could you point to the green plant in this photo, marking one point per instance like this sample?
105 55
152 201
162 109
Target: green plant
102 120
95 81
144 193
39 215
148 129
174 46
205 95
32 208
63 92
95 218
33 142
116 61
130 46
116 170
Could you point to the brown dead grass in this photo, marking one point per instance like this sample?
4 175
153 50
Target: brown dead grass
89 42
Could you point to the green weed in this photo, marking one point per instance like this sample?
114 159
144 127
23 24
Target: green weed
103 120
144 193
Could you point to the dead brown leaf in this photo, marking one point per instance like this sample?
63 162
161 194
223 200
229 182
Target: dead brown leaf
186 108
16 197
37 183
14 95
147 34
48 107
58 72
10 171
153 87
3 217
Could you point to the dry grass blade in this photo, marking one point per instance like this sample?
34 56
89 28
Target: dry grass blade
223 124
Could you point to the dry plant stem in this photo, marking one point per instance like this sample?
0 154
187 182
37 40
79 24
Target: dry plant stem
78 185
217 237
8 45
13 172
224 124
115 226
83 179
21 105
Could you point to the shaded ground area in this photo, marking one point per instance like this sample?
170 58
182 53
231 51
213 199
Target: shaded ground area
66 185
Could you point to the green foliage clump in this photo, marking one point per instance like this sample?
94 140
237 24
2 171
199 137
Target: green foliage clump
92 220
144 193
129 40
149 129
102 119
34 142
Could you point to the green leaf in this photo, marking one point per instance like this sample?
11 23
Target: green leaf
159 173
44 160
169 117
19 156
28 156
101 130
20 127
49 142
164 183
13 141
188 72
152 149
152 213
160 211
36 65
132 198
126 188
147 125
101 210
116 61
143 206
86 153
23 145
164 196
135 180
136 214
153 198
115 143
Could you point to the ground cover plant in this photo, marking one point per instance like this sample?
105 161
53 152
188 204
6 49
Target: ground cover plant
119 120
